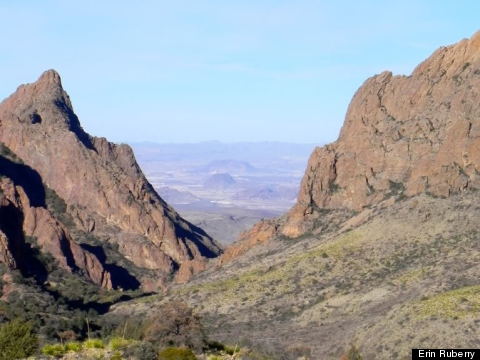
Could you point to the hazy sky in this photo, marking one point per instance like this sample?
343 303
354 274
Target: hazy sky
230 70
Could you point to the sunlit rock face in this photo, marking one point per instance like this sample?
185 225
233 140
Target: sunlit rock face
402 134
104 190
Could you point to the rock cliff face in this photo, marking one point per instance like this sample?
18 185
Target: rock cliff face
402 136
23 214
104 190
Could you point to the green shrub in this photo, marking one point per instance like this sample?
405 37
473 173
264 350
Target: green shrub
93 344
174 353
74 346
118 343
17 340
56 350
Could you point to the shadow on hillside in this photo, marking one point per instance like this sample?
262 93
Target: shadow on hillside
120 276
74 125
27 178
199 236
99 307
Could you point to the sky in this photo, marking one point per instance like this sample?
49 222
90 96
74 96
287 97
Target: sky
236 70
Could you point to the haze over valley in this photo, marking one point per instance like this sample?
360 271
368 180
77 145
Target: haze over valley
225 188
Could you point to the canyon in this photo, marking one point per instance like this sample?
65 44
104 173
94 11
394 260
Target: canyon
379 252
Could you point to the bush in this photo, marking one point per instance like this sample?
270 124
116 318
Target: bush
174 324
93 344
230 350
174 353
56 350
141 351
73 346
352 354
17 340
118 343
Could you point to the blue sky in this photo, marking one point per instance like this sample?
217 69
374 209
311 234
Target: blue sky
249 70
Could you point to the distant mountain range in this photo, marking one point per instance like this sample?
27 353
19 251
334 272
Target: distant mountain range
264 155
256 180
230 166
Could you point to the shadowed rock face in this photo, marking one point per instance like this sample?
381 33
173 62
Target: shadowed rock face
23 213
100 182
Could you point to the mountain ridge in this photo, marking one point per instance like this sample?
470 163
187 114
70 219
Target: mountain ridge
105 191
402 135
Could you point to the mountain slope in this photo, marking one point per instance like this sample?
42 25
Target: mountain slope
105 192
405 275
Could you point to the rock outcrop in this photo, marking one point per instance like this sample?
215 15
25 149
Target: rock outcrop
259 233
21 216
402 136
104 190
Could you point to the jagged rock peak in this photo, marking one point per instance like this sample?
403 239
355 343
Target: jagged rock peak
402 135
50 77
47 87
100 182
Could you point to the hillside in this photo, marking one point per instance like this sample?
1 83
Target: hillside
393 277
381 249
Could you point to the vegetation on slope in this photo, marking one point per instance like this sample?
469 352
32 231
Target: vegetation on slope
406 275
173 332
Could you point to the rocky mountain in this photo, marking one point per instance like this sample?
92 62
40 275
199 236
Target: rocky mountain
410 134
231 166
174 196
267 192
219 181
382 249
402 135
107 200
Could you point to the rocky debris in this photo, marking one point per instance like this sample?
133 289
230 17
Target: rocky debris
100 182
